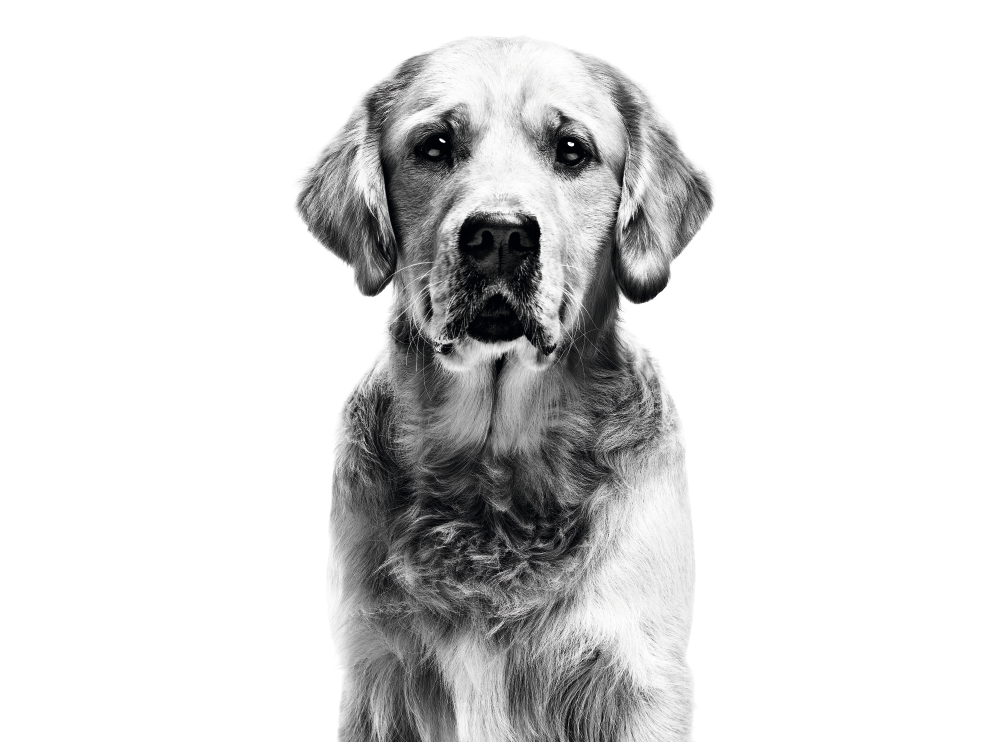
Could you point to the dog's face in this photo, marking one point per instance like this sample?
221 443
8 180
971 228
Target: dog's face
506 186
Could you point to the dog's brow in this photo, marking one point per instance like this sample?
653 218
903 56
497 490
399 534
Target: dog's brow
429 120
557 123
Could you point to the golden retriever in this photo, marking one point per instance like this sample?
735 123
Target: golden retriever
512 554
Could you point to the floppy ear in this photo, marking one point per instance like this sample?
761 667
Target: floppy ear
343 199
664 199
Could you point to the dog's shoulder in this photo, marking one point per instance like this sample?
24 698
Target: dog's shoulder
633 409
366 450
668 424
369 410
646 529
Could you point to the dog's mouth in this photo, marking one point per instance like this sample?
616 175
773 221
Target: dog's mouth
491 315
496 321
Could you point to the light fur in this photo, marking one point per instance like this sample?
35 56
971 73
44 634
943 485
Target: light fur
511 537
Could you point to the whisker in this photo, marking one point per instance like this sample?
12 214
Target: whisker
412 265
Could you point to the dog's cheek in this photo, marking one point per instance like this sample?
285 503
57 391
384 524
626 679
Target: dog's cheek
594 200
419 201
408 201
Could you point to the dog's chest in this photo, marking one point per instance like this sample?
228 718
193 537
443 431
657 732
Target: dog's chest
498 538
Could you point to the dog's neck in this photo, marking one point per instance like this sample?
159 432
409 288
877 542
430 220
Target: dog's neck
503 407
499 407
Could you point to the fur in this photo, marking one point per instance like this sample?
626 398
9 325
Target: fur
511 536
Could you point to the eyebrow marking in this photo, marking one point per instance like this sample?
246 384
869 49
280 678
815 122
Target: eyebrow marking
429 121
558 124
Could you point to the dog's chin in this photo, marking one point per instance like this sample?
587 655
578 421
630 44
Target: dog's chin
469 354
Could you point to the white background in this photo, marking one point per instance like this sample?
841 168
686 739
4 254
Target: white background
176 349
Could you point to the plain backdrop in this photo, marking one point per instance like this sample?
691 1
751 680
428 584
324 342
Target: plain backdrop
176 349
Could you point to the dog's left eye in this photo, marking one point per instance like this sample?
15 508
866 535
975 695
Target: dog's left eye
435 149
571 152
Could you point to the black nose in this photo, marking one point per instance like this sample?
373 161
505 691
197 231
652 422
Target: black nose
499 243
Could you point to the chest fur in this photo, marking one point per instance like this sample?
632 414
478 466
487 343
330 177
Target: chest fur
495 538
479 531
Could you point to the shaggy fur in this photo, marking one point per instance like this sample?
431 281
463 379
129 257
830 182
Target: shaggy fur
512 552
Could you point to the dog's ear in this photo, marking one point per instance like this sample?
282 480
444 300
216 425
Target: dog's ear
343 198
664 198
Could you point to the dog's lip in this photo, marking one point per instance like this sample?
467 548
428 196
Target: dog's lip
497 306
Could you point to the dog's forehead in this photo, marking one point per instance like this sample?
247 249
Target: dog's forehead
518 82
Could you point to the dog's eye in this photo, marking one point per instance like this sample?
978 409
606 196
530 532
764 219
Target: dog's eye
571 152
435 149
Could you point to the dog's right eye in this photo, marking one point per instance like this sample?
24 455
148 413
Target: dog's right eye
435 149
571 152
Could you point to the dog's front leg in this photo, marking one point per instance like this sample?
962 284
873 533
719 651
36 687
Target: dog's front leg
393 691
583 691
388 699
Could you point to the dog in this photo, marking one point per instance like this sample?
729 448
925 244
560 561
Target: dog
511 539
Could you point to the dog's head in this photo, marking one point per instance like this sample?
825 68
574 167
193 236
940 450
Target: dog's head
504 185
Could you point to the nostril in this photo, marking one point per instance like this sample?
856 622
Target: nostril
486 242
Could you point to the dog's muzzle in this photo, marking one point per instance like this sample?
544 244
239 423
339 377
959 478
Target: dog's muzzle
496 280
500 250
